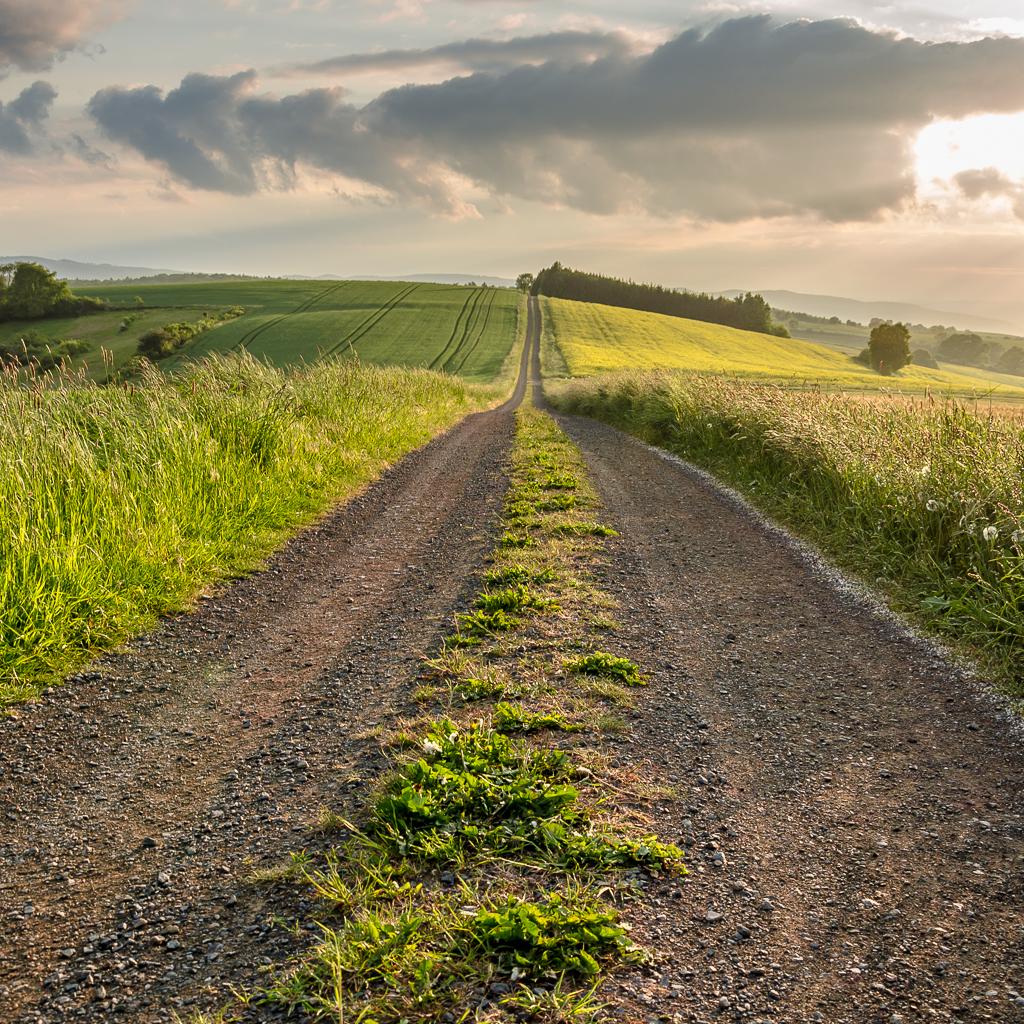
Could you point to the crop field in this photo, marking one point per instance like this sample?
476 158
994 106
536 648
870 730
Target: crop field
586 338
453 328
923 499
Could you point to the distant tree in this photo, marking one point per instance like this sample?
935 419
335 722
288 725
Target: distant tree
29 290
922 357
889 347
524 282
965 347
1011 361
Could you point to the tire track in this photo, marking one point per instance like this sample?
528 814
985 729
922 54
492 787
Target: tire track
250 336
475 344
372 320
467 307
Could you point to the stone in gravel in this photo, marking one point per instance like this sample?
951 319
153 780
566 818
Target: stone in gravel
712 916
149 843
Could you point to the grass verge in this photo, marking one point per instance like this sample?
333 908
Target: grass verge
924 500
119 503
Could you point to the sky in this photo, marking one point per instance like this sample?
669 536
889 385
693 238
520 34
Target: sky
862 148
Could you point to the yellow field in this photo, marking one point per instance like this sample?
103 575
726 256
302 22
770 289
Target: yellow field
584 338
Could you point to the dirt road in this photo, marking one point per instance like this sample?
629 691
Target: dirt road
852 810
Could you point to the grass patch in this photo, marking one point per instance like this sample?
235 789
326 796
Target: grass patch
607 666
511 718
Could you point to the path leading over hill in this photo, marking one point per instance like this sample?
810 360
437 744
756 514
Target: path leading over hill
852 810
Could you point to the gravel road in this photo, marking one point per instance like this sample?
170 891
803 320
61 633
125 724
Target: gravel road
851 805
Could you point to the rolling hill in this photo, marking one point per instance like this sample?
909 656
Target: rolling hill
586 338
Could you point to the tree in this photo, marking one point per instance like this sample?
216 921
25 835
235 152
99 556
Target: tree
922 357
965 347
1011 361
28 291
524 282
889 347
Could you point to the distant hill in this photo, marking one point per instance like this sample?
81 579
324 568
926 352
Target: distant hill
73 270
863 312
496 282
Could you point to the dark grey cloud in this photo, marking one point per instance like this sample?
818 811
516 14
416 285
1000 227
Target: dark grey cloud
34 33
751 118
986 182
488 55
23 117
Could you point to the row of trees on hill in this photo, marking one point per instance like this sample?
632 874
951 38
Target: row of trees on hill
29 291
748 312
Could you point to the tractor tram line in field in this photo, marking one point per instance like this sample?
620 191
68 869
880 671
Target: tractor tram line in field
466 351
458 331
250 336
371 321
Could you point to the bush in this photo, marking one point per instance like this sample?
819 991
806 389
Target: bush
922 357
33 348
156 344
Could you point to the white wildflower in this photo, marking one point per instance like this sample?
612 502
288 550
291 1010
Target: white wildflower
932 505
990 533
1018 537
926 469
430 747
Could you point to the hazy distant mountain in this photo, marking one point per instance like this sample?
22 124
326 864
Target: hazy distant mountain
497 282
863 312
73 270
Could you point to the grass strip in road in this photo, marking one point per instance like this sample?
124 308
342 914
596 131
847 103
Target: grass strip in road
485 877
118 504
924 500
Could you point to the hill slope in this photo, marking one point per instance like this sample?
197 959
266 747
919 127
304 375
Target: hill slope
590 338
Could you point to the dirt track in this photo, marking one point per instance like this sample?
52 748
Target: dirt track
852 811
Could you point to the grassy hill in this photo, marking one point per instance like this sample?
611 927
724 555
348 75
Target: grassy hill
586 338
460 329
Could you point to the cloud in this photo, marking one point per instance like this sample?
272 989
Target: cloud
24 116
749 119
987 182
488 55
34 33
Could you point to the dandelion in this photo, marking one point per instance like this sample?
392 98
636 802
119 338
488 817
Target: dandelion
1018 538
430 747
990 533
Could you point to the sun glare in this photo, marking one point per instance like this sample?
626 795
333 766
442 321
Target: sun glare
945 148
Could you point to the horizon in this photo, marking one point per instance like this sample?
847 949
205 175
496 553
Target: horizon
844 150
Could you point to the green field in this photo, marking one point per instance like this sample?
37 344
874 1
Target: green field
582 339
455 328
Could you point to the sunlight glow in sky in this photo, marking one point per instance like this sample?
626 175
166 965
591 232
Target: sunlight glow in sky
825 146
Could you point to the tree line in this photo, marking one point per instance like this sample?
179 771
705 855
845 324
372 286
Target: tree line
29 291
748 312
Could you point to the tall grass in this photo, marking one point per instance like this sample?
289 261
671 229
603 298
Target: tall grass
924 499
117 504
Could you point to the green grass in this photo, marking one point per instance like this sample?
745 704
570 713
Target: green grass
117 504
454 328
586 338
924 499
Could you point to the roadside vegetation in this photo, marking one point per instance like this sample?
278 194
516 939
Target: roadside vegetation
583 338
119 503
487 875
922 499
